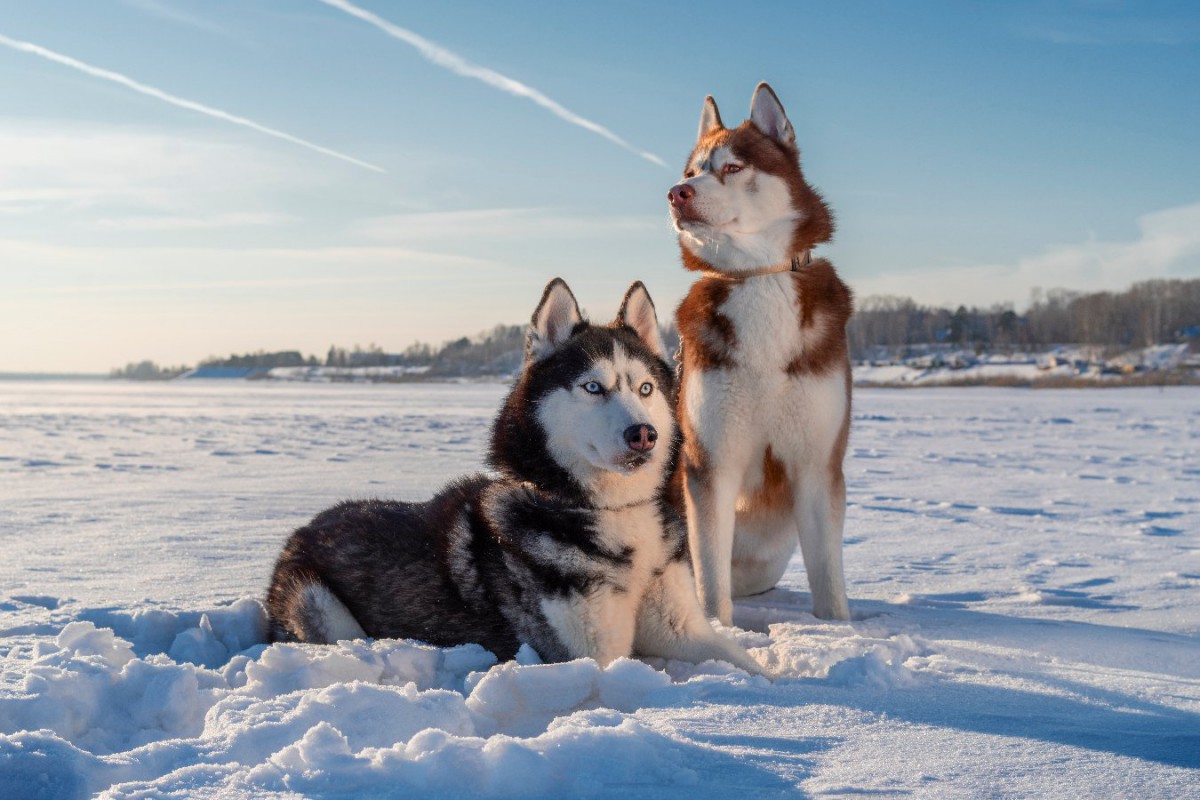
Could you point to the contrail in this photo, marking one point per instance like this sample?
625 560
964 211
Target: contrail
159 94
457 64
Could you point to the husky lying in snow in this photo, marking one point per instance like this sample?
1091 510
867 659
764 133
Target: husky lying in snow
764 397
573 548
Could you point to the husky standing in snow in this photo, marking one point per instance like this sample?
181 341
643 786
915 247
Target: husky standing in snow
573 548
764 398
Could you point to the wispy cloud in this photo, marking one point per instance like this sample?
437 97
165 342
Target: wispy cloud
439 55
41 267
86 308
190 105
1142 33
175 222
58 177
194 286
1168 245
1110 24
173 13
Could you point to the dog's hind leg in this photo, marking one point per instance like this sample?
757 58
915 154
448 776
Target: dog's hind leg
762 547
820 513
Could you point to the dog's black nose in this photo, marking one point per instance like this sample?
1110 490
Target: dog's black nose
641 437
680 194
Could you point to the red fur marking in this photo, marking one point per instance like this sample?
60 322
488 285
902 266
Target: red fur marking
694 263
775 493
752 146
708 336
821 293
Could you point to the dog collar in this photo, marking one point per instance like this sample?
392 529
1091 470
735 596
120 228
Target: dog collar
533 487
627 506
799 261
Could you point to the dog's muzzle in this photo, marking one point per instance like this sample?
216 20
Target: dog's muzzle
680 197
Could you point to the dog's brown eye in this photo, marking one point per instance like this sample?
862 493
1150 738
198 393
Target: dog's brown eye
646 389
730 169
691 173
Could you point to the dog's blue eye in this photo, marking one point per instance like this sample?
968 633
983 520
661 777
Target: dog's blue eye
591 387
646 389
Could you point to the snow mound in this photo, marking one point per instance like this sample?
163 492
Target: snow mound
88 712
866 661
207 638
582 755
88 688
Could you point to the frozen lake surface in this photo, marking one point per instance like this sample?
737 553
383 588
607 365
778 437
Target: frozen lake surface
1023 568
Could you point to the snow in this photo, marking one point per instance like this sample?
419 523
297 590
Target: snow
330 374
1023 569
919 375
964 367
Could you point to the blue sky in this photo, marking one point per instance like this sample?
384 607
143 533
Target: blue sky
971 151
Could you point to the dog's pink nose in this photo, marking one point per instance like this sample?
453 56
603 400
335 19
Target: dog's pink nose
680 194
641 437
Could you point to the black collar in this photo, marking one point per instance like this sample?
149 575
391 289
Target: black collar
798 264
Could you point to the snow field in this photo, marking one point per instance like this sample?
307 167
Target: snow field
1023 570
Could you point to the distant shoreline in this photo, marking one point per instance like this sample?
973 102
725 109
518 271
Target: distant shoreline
53 376
1163 378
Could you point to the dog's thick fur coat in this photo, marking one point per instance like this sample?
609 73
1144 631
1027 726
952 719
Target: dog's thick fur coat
764 397
572 547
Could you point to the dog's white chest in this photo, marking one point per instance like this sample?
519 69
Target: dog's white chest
757 399
638 531
765 313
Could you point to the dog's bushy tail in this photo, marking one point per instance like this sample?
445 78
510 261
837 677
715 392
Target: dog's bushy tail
302 608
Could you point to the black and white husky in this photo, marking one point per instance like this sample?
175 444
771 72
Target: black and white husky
573 547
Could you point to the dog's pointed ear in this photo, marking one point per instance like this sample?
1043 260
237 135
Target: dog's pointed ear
767 114
710 117
637 311
553 321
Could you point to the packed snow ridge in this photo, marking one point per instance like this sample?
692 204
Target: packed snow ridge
95 710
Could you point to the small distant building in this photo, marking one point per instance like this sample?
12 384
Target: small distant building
224 373
1190 333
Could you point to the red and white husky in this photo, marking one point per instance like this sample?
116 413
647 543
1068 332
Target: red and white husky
764 399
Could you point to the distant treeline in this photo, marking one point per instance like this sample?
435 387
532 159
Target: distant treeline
1150 312
495 352
146 371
